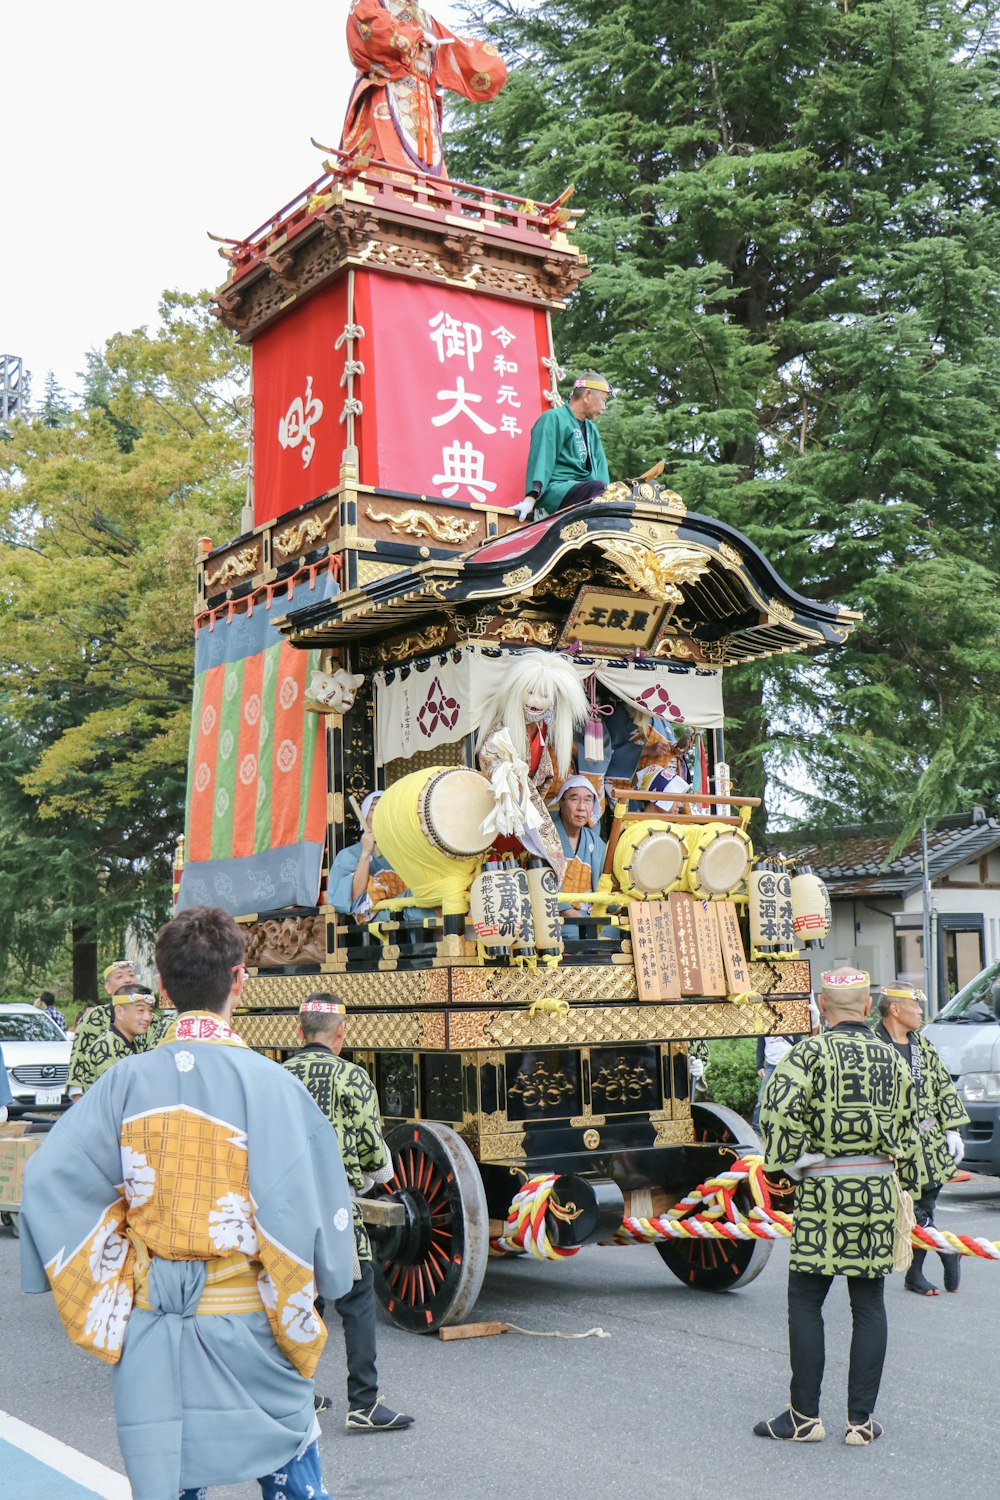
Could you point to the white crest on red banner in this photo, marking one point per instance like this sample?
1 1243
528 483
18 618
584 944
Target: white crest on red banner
295 427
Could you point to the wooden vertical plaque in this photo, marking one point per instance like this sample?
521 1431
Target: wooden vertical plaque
686 938
706 930
653 951
733 956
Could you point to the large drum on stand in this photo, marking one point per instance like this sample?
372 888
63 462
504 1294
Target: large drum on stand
650 859
719 860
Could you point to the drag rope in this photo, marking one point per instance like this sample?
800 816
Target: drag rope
709 1212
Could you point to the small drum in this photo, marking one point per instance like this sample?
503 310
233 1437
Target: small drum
650 859
451 808
719 860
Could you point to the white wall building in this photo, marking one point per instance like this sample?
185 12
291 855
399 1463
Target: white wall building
878 904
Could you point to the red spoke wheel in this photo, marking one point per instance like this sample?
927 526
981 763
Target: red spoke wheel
429 1271
715 1265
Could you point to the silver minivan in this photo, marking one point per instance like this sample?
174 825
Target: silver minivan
967 1035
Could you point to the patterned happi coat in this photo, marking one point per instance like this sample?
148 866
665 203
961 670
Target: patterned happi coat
396 100
843 1093
939 1109
90 1027
110 1048
347 1096
186 1213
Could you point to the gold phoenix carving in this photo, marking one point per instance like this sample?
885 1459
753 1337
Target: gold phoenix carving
422 523
238 566
656 571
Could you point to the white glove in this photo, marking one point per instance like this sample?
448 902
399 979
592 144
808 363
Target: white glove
807 1159
956 1145
696 1069
3 1114
527 505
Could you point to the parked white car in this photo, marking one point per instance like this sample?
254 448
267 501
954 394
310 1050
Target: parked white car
36 1058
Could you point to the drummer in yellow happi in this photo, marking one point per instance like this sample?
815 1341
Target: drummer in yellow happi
575 821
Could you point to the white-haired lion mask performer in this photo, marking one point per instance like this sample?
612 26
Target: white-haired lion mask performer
527 736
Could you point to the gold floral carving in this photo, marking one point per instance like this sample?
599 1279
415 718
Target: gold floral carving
542 1088
518 576
541 631
656 571
413 645
306 534
781 610
239 565
573 531
730 555
422 523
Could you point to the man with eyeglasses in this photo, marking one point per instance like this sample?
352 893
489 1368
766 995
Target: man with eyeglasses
940 1116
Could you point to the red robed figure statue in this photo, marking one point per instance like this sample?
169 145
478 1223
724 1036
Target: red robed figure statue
404 59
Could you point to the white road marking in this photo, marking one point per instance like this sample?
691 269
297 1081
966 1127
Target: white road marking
65 1460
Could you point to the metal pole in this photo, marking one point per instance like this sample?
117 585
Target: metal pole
929 984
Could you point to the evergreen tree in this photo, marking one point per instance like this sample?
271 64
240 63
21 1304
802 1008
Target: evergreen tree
791 212
99 524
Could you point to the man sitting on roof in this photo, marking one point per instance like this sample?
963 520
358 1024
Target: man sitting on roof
566 462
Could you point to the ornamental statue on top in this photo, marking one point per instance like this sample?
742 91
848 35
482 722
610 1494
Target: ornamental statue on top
405 58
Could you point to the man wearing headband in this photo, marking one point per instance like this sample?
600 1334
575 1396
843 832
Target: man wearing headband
566 462
575 822
346 1095
839 1119
939 1113
126 1036
186 1214
94 1024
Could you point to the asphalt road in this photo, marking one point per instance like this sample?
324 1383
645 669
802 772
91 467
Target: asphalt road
663 1407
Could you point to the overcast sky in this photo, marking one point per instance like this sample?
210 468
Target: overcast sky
130 131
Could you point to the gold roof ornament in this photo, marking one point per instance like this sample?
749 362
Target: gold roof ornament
656 571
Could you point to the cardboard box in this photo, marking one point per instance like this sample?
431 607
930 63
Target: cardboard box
15 1148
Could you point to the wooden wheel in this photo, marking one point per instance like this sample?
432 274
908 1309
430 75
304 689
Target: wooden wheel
428 1272
714 1265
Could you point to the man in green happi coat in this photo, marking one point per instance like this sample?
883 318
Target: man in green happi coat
94 1024
566 460
346 1095
939 1114
839 1118
126 1036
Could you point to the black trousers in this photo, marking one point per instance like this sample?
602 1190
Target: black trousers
356 1310
806 1295
924 1206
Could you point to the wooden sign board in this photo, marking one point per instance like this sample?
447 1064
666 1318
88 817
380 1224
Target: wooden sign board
706 930
654 951
733 956
686 937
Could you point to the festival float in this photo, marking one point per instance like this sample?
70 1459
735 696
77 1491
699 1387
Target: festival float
385 624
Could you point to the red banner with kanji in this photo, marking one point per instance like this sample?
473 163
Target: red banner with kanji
297 403
453 384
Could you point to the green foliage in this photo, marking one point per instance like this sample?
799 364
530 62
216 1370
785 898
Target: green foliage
792 215
99 522
731 1076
